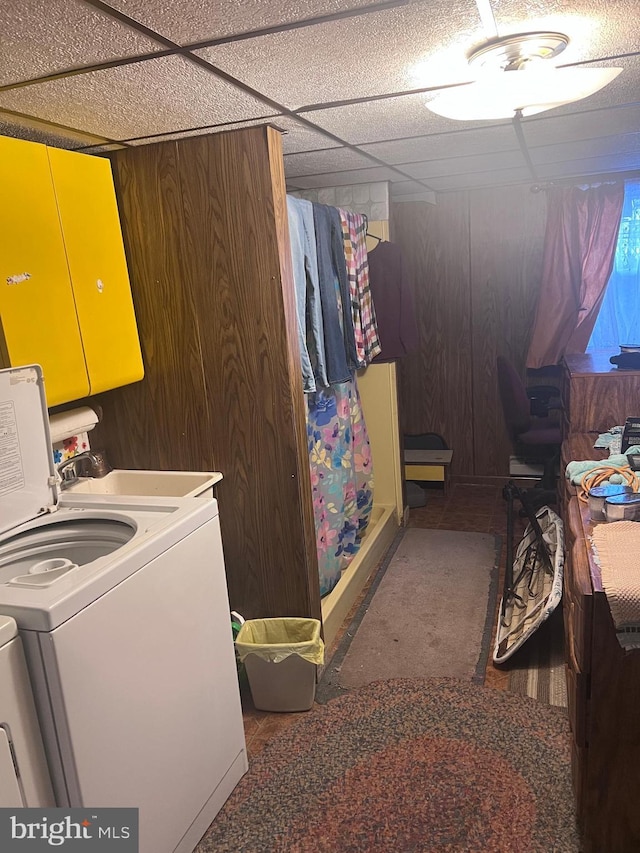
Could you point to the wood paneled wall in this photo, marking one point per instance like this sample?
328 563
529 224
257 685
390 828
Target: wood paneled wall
205 227
475 261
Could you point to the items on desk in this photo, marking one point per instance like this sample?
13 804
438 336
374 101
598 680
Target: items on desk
622 507
630 434
599 494
628 358
616 546
610 440
615 469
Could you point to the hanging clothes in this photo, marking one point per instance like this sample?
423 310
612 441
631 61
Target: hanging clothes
308 305
339 339
354 230
341 477
394 300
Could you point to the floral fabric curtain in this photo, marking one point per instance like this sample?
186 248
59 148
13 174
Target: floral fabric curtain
341 477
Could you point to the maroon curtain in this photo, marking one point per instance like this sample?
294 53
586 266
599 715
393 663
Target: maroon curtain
579 248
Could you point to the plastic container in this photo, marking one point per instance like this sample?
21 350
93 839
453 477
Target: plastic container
622 508
280 657
599 494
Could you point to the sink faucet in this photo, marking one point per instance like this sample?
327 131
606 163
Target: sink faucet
90 463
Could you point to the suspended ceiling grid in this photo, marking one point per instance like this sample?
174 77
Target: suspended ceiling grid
338 77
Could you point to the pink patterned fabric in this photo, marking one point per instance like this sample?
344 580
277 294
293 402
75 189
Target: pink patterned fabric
354 229
341 476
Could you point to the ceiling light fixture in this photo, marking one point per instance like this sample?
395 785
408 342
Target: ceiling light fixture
498 92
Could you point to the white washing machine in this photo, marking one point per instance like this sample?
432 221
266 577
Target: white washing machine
24 776
123 610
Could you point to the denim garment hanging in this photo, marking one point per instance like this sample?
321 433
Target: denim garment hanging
308 305
339 339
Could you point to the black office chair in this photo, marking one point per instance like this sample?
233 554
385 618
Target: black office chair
544 398
533 438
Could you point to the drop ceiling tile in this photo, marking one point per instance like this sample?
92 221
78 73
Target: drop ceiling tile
24 128
590 166
391 118
165 94
352 176
296 137
202 20
464 165
549 129
199 131
41 37
357 57
607 146
331 160
481 179
440 145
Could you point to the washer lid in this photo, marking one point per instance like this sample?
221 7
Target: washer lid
27 473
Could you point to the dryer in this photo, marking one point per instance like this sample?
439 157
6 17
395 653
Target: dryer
24 776
123 610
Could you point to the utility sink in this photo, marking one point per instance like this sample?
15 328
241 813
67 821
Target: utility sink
169 484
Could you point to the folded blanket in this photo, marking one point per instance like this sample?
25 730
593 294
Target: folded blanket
575 471
616 550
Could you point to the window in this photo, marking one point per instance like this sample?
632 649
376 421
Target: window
618 322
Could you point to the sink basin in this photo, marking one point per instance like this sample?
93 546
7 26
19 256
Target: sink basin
169 484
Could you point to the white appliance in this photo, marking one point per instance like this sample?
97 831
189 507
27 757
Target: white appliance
24 777
123 610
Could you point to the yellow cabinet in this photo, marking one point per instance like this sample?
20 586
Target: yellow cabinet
95 252
65 300
37 308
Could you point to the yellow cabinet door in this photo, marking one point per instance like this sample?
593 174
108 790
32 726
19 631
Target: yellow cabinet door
95 252
37 309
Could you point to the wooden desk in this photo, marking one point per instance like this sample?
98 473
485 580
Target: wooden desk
603 688
596 395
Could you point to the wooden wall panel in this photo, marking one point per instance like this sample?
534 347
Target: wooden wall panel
166 413
506 246
244 299
204 222
435 383
475 260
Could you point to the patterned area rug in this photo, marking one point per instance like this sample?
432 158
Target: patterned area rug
408 765
538 668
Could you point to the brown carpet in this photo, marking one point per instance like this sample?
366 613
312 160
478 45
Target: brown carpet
428 614
409 766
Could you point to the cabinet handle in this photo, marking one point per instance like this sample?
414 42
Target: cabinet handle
100 285
571 650
18 279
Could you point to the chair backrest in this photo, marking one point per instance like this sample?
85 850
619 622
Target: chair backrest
425 441
513 394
